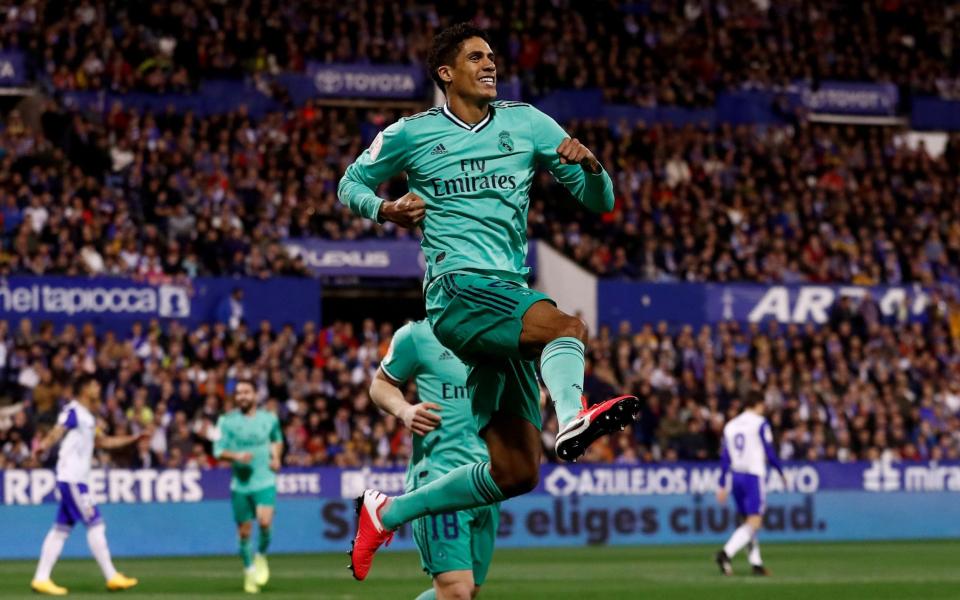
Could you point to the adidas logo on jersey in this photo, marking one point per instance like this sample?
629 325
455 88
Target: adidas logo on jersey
438 149
446 355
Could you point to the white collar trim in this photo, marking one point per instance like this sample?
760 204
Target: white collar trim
475 127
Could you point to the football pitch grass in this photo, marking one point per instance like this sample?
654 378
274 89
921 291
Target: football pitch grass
846 571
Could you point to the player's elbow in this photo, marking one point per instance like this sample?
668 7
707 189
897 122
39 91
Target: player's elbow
571 327
606 202
343 188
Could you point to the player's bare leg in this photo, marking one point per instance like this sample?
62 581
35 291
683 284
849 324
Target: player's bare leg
560 340
452 585
515 448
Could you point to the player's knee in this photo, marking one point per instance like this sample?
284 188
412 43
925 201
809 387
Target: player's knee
517 478
457 590
244 530
571 327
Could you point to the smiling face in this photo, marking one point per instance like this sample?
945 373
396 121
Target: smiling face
473 74
246 396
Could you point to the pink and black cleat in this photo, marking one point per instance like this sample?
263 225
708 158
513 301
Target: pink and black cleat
371 534
594 422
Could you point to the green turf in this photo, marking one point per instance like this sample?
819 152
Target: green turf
874 571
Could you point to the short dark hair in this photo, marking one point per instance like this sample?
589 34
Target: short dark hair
83 380
446 45
755 397
247 380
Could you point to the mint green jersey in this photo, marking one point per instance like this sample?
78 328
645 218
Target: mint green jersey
475 180
253 434
441 378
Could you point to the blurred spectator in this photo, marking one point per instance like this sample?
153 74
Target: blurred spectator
834 392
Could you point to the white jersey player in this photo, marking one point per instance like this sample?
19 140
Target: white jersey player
76 430
746 451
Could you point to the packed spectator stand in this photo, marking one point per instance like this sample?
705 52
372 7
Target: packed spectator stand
166 196
860 388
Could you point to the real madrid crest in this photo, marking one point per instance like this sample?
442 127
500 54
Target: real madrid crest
506 143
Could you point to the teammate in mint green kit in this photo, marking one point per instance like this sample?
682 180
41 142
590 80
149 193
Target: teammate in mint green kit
250 439
455 547
469 167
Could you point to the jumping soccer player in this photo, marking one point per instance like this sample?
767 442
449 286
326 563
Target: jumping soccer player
469 167
77 427
747 447
455 547
250 439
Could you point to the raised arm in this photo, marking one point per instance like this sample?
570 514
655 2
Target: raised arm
571 163
385 158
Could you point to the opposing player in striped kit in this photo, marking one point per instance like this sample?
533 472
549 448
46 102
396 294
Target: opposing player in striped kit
77 431
747 448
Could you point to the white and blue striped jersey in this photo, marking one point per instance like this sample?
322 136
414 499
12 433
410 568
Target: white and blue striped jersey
76 448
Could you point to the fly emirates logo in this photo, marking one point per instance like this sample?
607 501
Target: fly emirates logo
473 177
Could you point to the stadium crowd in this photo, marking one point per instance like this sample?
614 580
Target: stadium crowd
167 196
649 53
174 195
171 195
862 386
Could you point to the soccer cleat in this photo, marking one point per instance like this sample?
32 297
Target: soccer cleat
371 534
594 422
761 571
723 561
47 587
261 569
250 582
120 582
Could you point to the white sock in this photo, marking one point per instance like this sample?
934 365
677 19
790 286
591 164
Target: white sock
97 540
754 556
50 552
739 539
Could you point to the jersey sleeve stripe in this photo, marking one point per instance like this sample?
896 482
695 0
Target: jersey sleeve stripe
390 375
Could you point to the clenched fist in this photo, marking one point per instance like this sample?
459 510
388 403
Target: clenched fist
408 211
572 152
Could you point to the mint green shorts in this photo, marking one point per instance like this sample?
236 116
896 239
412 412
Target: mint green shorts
456 541
480 319
245 503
